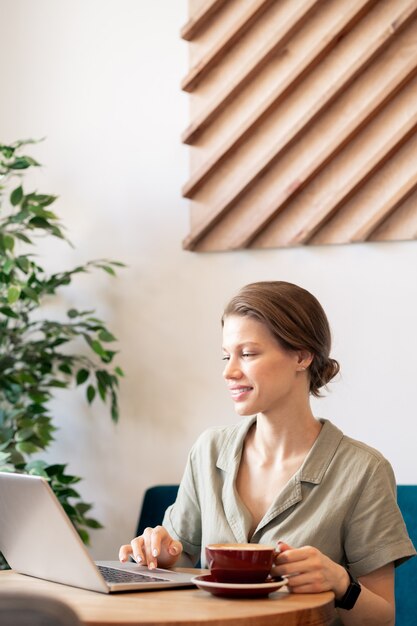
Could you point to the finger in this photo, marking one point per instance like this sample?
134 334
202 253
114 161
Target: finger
137 550
293 555
291 569
175 548
157 536
282 546
124 553
304 583
147 539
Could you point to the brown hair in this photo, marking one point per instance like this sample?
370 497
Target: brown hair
295 318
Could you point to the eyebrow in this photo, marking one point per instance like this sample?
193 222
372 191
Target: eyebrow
252 344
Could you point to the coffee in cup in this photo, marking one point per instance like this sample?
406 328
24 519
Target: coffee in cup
239 562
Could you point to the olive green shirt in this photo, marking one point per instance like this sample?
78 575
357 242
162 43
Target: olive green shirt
342 501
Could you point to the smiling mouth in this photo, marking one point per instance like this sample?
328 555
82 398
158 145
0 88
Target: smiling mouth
239 391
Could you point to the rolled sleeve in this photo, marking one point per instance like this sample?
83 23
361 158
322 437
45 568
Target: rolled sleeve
375 532
183 518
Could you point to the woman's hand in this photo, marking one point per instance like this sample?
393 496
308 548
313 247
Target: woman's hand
154 547
309 570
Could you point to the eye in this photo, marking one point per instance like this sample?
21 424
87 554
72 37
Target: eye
225 357
245 354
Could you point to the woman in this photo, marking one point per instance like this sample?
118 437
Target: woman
282 476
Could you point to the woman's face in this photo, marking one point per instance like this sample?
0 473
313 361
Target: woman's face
261 376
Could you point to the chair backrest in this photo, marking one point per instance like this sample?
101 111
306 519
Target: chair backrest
24 609
406 574
155 502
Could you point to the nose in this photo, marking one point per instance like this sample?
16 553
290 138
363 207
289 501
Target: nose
231 370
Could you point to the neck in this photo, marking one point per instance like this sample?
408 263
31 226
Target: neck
289 434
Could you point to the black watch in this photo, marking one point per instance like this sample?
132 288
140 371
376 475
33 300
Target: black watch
352 594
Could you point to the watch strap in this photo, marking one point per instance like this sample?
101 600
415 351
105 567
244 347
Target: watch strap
352 594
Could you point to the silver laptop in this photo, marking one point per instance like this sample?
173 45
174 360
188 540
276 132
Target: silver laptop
38 539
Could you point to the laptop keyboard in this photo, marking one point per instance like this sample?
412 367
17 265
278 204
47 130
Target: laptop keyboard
112 575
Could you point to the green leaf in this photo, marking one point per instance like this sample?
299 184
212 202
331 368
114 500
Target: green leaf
82 376
104 335
83 507
67 492
8 312
7 151
65 368
8 242
13 294
22 237
84 536
108 269
56 469
38 465
91 393
102 391
25 433
16 196
92 523
22 163
31 293
39 397
114 412
27 447
23 263
43 199
40 222
38 472
8 266
61 384
119 371
72 313
4 457
98 348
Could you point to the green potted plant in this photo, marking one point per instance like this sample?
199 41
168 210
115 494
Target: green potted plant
39 355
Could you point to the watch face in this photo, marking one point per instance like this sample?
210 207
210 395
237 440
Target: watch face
352 593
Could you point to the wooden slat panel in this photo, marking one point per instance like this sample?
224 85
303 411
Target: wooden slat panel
199 20
323 47
262 57
266 180
395 69
356 167
215 55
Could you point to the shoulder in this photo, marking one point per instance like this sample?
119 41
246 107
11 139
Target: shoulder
359 457
224 441
217 437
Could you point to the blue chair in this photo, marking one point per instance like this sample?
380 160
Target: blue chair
155 502
406 574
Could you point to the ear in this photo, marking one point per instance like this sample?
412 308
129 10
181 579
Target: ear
304 359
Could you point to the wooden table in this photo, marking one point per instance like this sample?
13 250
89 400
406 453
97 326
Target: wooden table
179 607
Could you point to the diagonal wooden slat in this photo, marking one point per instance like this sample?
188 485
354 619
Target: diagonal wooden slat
389 84
207 62
284 33
347 75
379 198
401 224
349 186
199 20
385 210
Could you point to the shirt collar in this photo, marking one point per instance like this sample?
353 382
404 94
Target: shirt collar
315 464
321 453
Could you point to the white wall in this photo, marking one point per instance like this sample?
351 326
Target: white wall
100 80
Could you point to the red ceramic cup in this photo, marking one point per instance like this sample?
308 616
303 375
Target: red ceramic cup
239 562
